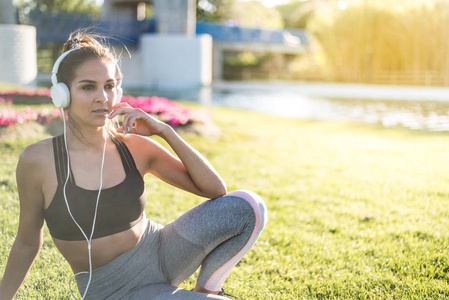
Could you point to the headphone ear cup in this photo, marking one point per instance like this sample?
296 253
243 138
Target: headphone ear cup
60 95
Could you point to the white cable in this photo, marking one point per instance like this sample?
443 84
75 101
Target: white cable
89 240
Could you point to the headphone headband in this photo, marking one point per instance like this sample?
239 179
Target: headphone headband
54 71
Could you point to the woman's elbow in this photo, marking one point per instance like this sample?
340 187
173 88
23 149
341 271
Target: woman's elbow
223 188
222 191
218 191
30 243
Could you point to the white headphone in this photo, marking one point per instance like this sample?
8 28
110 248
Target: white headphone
60 93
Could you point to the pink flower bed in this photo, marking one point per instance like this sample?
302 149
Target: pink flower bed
7 100
167 110
164 109
9 117
25 93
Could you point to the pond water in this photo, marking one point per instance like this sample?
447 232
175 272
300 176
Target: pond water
410 107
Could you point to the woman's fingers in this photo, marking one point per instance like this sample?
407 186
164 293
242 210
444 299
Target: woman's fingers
128 122
135 120
119 111
121 104
120 108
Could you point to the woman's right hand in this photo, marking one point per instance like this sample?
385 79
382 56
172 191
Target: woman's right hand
137 121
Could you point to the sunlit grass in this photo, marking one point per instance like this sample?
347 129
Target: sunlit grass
355 211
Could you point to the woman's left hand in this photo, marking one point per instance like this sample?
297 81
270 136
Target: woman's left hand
136 120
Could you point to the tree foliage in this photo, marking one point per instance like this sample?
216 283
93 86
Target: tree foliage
213 10
295 14
67 6
255 14
246 14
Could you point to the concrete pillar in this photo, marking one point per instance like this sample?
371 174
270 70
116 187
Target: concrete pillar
123 10
175 16
18 63
217 65
7 12
176 61
175 57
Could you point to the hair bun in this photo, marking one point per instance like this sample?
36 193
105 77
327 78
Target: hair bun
74 43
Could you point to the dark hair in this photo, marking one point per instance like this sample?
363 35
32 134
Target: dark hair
90 46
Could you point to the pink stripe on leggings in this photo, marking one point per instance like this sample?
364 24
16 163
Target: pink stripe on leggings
218 278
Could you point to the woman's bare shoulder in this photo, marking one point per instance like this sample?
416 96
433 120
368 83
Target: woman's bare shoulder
38 153
34 169
143 149
138 142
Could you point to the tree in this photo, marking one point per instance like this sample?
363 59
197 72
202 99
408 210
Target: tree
68 6
216 11
296 14
254 14
247 14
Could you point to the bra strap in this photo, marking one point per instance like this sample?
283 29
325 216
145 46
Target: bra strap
125 154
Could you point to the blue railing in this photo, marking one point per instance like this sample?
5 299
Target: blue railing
230 33
57 27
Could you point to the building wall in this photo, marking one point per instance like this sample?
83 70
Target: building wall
175 16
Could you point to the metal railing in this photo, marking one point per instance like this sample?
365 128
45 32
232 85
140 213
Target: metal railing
234 33
56 27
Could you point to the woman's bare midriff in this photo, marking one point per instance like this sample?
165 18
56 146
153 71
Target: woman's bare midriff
104 249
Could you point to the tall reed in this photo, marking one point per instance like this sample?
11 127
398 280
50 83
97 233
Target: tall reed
375 40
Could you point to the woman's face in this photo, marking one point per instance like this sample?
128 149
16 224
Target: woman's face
93 92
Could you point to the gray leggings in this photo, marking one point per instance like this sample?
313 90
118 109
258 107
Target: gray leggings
214 235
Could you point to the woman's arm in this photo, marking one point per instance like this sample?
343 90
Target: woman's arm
30 233
194 166
191 172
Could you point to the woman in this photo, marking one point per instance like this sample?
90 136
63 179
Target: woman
88 187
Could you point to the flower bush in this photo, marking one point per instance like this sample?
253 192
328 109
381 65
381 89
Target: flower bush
25 93
164 109
168 111
7 100
26 96
9 117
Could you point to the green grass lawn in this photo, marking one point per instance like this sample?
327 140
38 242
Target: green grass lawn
355 211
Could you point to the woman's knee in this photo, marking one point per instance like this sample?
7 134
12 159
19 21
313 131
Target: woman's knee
257 205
